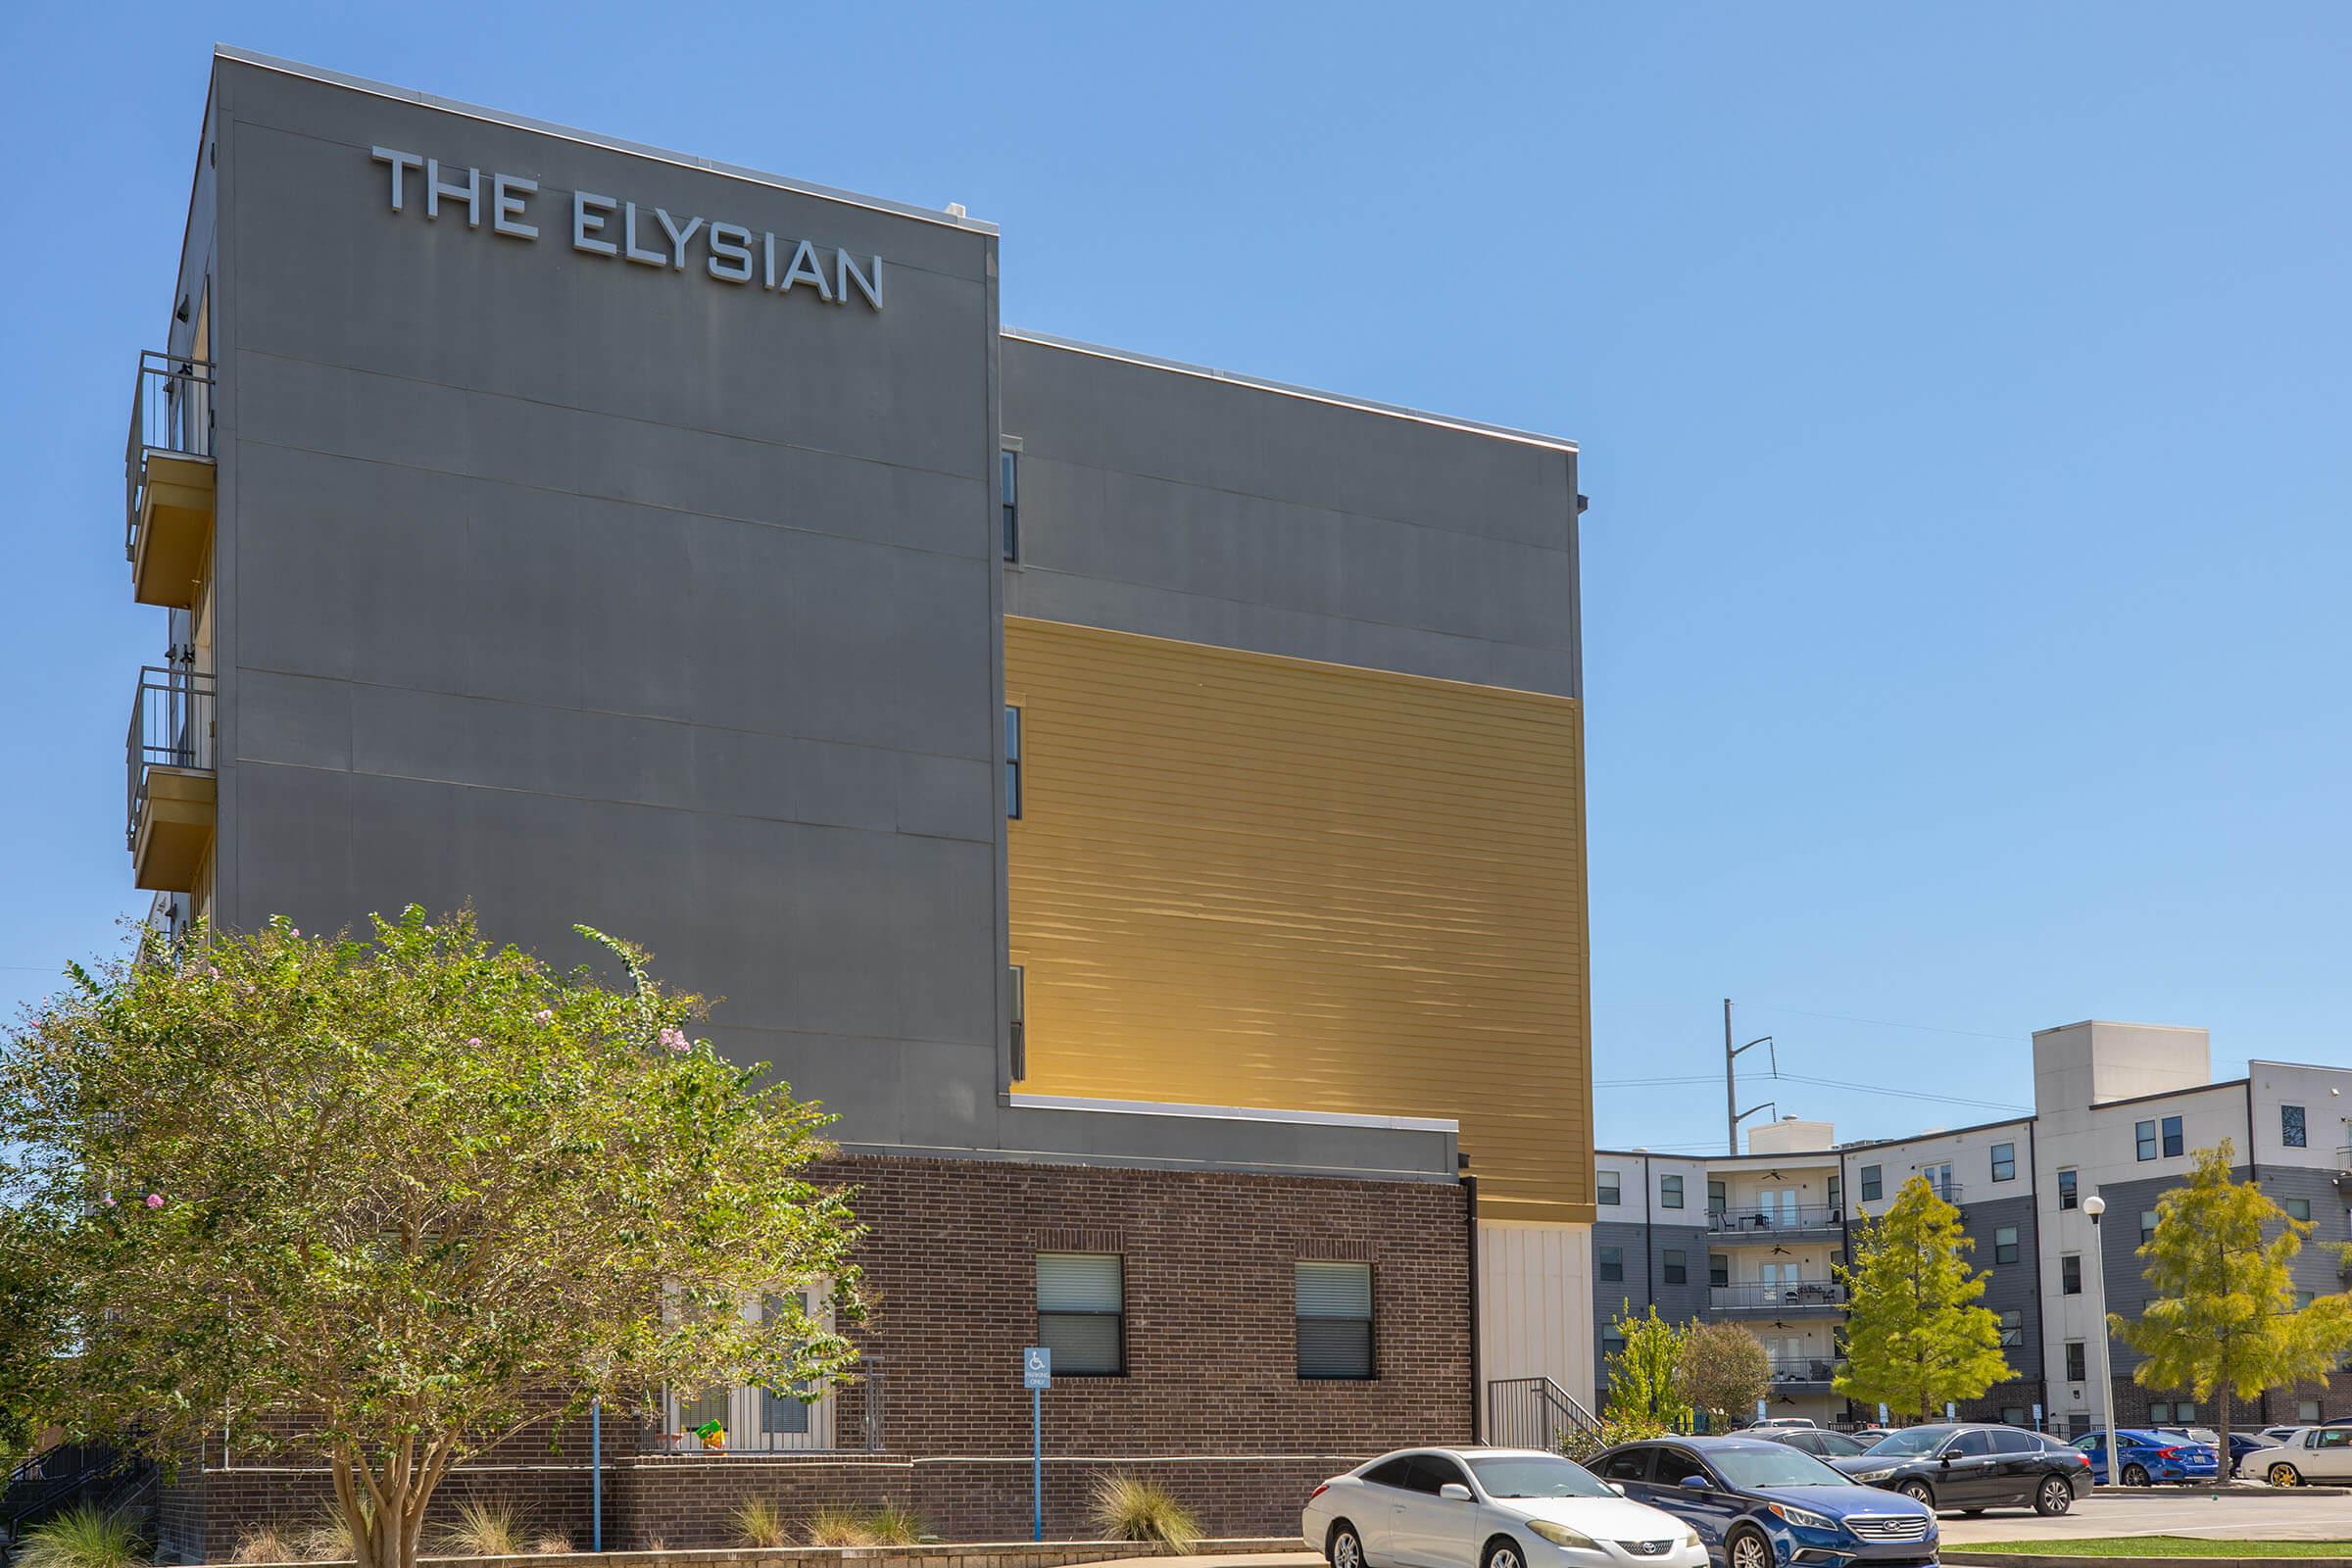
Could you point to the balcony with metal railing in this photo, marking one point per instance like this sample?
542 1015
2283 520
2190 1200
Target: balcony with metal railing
1778 1298
173 797
1776 1222
167 480
1801 1374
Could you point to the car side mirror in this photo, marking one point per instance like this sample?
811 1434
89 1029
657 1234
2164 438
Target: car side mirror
1618 1487
1455 1492
1943 1459
1694 1483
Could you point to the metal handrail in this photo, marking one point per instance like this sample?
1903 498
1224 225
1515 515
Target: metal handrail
1761 1295
1802 1368
1763 1220
171 726
170 411
1534 1412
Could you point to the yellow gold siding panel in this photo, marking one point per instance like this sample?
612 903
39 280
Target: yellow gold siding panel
1255 881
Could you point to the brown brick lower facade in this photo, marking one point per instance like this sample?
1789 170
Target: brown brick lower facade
1209 1402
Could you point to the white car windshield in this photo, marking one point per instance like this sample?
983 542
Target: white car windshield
1776 1465
1533 1475
1910 1443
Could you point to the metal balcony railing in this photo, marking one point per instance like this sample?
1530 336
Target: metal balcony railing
1776 1296
1771 1220
171 726
1786 1369
172 412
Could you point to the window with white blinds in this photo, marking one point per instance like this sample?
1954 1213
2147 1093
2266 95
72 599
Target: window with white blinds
1081 1302
1334 1320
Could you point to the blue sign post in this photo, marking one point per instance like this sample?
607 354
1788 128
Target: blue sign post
1037 1376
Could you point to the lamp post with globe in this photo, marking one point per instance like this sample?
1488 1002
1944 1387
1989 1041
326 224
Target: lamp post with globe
2094 1205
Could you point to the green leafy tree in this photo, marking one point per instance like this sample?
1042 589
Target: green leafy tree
1645 1375
2222 1319
1725 1371
402 1199
1915 1337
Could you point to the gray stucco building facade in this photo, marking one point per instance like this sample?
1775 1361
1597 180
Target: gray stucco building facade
597 534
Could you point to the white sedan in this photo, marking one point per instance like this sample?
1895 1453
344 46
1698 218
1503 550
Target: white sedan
2302 1456
1488 1509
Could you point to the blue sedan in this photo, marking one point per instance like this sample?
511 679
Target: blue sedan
2150 1458
1759 1504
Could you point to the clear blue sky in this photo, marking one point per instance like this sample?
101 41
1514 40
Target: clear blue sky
1963 394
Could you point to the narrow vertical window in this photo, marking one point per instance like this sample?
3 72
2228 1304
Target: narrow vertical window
1606 1196
2067 1182
2069 1274
2013 1328
1719 1268
1334 1320
2147 1226
1009 472
2004 1245
2172 1137
2290 1126
2144 1141
2004 1163
1611 1264
1021 1022
1676 1264
1012 761
1872 1184
1080 1313
1670 1191
1718 1197
2074 1361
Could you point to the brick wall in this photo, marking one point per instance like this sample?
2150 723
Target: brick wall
1210 1401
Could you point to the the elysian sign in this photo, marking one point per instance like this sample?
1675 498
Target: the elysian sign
729 252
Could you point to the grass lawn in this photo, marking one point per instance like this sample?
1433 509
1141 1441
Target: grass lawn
2164 1546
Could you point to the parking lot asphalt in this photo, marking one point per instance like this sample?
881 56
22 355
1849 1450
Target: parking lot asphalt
2262 1515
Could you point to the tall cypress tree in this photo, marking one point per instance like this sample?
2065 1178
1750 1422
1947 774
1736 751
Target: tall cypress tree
1915 1336
2222 1318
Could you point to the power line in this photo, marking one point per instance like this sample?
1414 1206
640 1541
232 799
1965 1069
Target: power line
1899 1094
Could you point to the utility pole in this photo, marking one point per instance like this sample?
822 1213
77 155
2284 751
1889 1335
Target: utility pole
1733 1115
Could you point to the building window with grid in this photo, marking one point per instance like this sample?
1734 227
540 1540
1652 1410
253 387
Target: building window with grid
2013 1328
2074 1361
2290 1126
2147 1225
2144 1141
1606 1185
1012 761
2069 1274
1670 1191
1080 1313
2004 1163
1334 1320
2067 1183
2172 1142
1009 470
2004 1245
1871 1184
1676 1265
1611 1263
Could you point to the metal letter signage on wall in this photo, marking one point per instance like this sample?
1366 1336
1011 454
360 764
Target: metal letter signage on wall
614 228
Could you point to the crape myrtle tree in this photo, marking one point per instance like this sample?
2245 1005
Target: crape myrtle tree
2222 1319
1915 1337
1725 1372
1646 1375
400 1200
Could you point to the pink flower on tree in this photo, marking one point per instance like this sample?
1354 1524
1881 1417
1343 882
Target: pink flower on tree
108 1199
676 1039
155 1200
546 1015
212 969
474 1043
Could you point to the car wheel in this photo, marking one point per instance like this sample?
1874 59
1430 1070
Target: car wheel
1503 1552
2053 1497
1748 1549
2285 1475
1344 1549
1918 1491
2135 1475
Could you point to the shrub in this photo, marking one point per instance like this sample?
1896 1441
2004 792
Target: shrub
839 1526
1128 1507
894 1526
263 1543
1581 1444
757 1522
484 1530
85 1535
327 1540
551 1544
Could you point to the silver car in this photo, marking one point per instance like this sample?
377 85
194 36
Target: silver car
1487 1508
